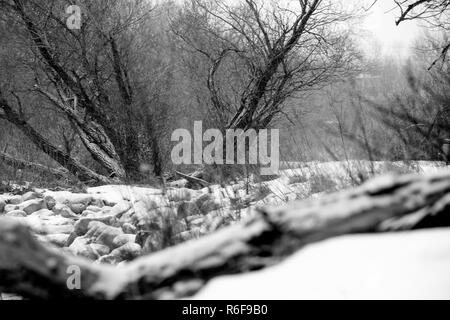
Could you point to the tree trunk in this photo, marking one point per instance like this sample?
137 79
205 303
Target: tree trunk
115 151
37 271
65 160
36 167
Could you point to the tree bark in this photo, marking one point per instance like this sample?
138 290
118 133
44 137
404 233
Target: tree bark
116 150
37 271
91 134
36 167
65 160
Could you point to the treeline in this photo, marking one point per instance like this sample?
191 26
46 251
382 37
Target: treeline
101 101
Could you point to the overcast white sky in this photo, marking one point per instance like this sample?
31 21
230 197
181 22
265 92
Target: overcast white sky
382 36
385 36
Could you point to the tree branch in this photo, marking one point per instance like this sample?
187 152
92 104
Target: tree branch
36 167
74 167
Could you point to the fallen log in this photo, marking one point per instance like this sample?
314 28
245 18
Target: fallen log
193 180
36 270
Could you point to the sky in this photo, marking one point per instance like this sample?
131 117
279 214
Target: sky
379 34
383 36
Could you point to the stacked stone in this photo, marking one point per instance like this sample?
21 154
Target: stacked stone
115 224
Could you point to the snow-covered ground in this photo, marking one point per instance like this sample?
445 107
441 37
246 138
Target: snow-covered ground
408 265
106 224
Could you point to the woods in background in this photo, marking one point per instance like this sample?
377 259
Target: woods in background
99 104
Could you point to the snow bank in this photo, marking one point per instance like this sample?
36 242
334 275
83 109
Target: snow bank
412 265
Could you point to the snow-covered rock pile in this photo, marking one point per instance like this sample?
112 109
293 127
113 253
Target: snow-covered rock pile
111 224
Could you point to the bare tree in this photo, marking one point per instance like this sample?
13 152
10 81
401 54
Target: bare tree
261 54
84 74
435 14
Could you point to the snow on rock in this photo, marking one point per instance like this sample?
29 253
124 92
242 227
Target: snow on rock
16 213
118 193
45 224
410 265
14 199
155 218
31 206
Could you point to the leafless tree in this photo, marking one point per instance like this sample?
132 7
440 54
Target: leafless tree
261 54
434 13
83 74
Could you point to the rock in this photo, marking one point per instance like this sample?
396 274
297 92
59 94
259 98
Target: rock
50 202
17 213
109 203
83 247
64 211
194 218
129 228
106 209
187 209
31 206
80 247
74 198
97 203
77 202
127 252
100 249
91 214
10 207
197 222
81 227
44 224
93 208
58 239
15 200
101 233
43 214
57 229
109 259
142 216
31 196
229 192
78 208
123 239
120 208
302 190
128 218
177 195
